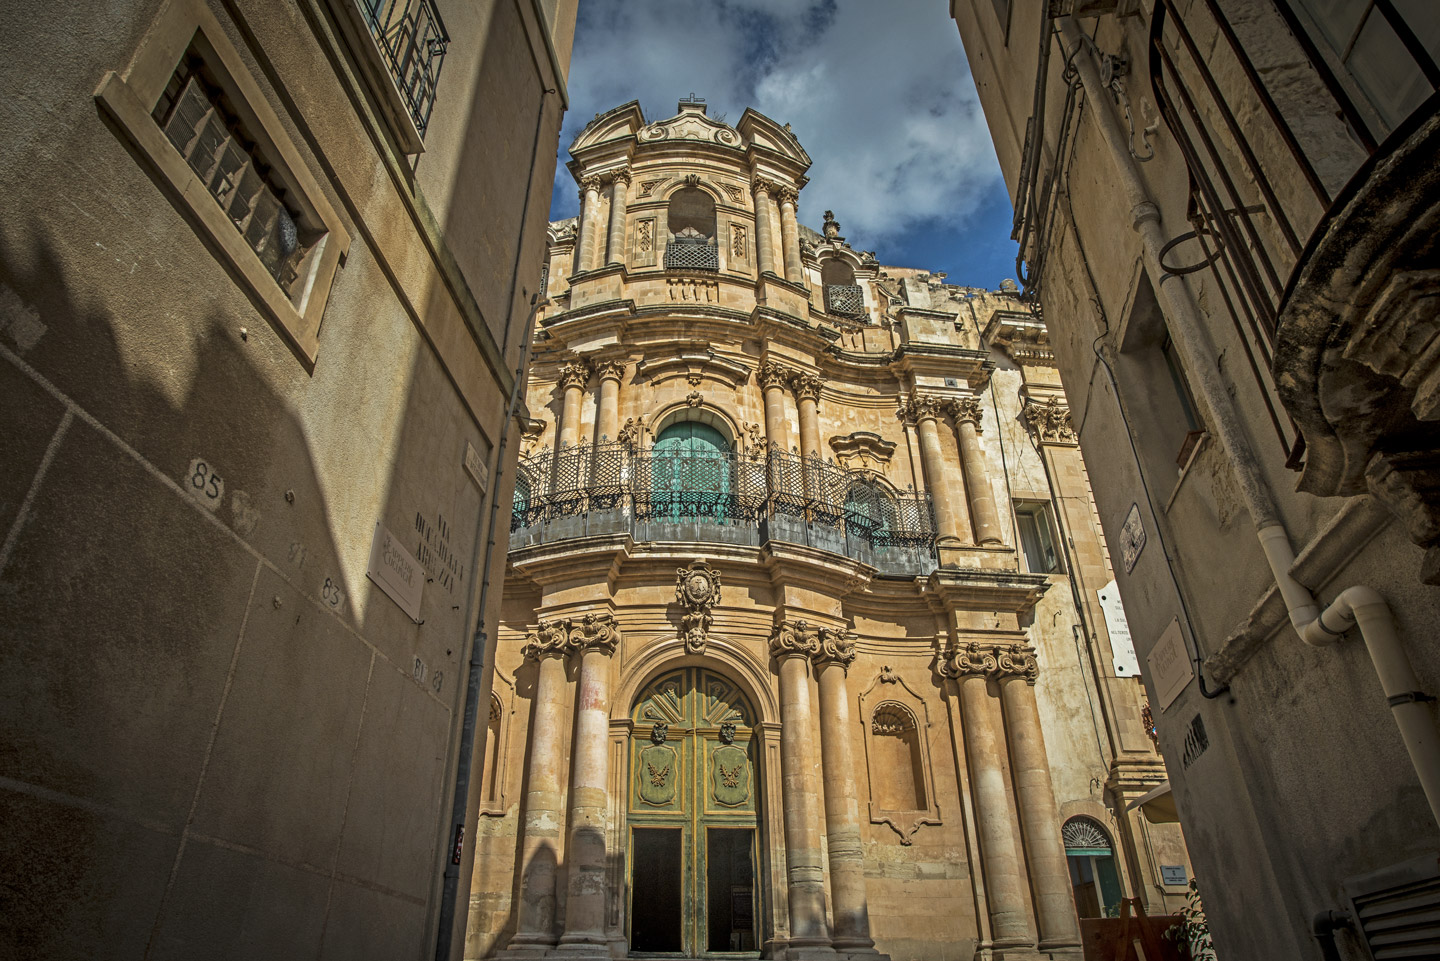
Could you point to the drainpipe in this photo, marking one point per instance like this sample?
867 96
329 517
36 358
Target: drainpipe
478 646
1358 606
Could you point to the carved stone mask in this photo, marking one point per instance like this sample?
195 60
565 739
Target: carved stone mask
659 732
727 734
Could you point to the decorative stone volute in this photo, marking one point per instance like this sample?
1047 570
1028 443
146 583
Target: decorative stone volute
968 660
697 588
807 386
1017 660
587 184
785 194
549 639
966 410
576 373
1049 421
610 369
761 185
593 632
772 374
621 176
794 638
836 646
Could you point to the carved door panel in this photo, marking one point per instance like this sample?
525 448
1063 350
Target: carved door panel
692 770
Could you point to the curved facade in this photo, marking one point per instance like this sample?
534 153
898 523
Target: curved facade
803 651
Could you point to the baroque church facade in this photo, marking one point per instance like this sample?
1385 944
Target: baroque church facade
809 644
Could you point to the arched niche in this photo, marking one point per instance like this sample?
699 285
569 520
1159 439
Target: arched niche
837 271
699 414
690 216
896 724
493 793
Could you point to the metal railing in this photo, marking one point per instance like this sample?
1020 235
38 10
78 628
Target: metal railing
1267 146
413 41
720 497
682 256
845 299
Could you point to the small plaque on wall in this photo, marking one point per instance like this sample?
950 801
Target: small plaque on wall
396 571
1169 665
1174 874
1132 538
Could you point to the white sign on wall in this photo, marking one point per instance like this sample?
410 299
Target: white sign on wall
1122 648
475 467
1132 538
396 571
1169 665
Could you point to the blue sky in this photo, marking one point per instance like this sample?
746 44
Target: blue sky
878 91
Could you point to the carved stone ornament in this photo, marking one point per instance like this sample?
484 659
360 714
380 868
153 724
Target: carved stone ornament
587 184
786 194
691 126
576 373
632 433
836 646
1017 660
734 192
727 734
772 374
619 177
659 733
862 450
968 660
613 369
794 638
761 185
966 410
920 407
807 386
549 639
697 588
593 632
831 226
1049 422
694 399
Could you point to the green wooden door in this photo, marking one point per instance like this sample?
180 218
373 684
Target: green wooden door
692 816
690 472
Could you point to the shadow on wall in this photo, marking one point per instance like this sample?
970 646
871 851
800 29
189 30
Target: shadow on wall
198 745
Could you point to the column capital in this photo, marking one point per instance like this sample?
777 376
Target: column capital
794 638
806 386
549 639
1018 661
965 410
967 660
575 373
1049 421
922 407
619 176
610 370
593 632
786 194
761 185
772 374
835 646
588 183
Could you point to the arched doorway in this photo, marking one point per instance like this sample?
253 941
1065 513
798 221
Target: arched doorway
693 850
690 468
1093 877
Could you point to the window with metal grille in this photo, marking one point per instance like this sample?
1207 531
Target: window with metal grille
691 256
412 41
846 299
194 116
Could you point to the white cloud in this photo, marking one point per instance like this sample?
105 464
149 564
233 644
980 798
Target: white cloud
878 93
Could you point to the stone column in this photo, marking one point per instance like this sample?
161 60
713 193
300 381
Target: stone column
607 413
615 248
540 831
790 235
1004 888
595 636
764 229
949 516
848 907
793 644
983 514
1017 670
589 224
773 380
573 378
807 398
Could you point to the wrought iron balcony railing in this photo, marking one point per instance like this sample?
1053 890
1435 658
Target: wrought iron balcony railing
682 256
720 498
413 41
844 299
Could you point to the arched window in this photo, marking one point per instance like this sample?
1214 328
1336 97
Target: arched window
691 219
842 295
1093 877
690 467
896 744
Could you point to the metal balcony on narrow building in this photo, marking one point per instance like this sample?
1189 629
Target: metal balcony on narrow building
413 40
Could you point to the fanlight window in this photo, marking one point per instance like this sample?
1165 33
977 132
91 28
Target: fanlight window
691 216
1093 877
896 744
836 272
